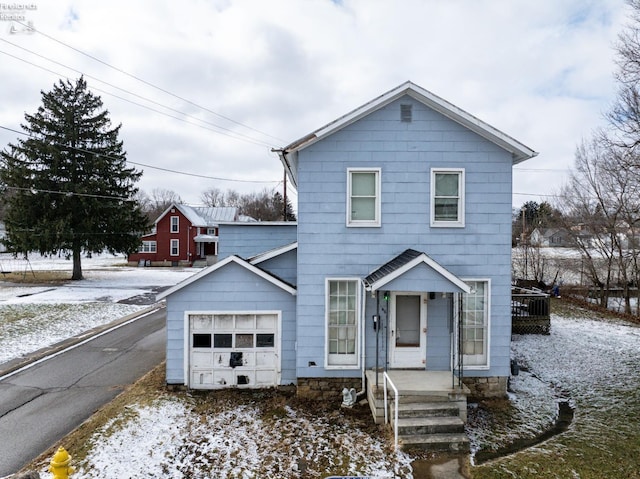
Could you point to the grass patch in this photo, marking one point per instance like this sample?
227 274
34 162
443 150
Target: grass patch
598 370
37 277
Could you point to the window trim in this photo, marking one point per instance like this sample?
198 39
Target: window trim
148 247
460 222
177 243
359 338
377 221
487 328
174 228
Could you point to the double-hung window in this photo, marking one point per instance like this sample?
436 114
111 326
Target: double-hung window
342 299
363 197
475 325
174 247
447 197
175 224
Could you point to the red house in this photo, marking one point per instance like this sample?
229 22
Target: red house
184 236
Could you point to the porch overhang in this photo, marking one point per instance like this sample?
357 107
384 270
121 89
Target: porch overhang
205 239
414 271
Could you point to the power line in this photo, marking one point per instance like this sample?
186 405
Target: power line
230 134
144 165
561 170
69 193
119 70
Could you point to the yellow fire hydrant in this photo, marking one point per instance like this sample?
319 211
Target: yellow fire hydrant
59 465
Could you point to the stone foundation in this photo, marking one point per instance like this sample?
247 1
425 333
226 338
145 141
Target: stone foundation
326 389
491 387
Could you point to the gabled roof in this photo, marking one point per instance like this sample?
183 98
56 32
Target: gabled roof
273 253
204 215
405 262
280 283
519 151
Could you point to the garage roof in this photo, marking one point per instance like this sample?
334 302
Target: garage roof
289 288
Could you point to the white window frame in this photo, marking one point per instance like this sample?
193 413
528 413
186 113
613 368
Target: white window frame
148 247
175 225
487 326
460 222
175 242
344 361
377 221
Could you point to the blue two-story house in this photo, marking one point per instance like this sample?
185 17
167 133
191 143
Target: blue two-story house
400 261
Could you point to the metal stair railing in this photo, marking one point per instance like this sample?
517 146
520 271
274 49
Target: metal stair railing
386 418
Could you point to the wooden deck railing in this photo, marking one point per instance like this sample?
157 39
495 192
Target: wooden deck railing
530 311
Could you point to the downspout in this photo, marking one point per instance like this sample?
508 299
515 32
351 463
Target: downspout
460 355
188 243
378 324
364 335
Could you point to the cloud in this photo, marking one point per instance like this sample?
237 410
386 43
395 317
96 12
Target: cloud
539 71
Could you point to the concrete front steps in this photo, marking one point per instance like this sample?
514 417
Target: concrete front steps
433 426
432 410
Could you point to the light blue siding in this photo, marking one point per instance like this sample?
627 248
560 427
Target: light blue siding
249 239
284 266
439 330
405 153
230 288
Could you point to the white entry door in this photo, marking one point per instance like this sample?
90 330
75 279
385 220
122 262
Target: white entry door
408 330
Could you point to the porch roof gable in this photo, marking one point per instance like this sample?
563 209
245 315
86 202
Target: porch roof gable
409 261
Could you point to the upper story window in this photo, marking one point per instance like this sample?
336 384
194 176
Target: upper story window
175 224
363 197
447 197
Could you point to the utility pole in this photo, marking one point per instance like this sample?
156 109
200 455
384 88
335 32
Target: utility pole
284 196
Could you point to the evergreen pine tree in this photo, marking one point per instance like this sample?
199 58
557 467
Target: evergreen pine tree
70 190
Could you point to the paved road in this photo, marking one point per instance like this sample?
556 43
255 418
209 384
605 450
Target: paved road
41 404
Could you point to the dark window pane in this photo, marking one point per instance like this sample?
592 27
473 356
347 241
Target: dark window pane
222 340
265 340
201 340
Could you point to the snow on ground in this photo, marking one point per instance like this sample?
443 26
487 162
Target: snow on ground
170 439
590 362
585 361
36 316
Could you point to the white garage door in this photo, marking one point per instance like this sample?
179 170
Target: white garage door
234 349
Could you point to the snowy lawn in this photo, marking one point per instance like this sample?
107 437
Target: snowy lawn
33 316
592 363
595 364
230 434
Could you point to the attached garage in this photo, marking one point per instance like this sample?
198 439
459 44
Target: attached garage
232 324
233 349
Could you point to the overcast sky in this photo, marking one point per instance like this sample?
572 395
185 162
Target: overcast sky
208 87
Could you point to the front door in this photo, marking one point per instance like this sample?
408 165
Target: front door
408 330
